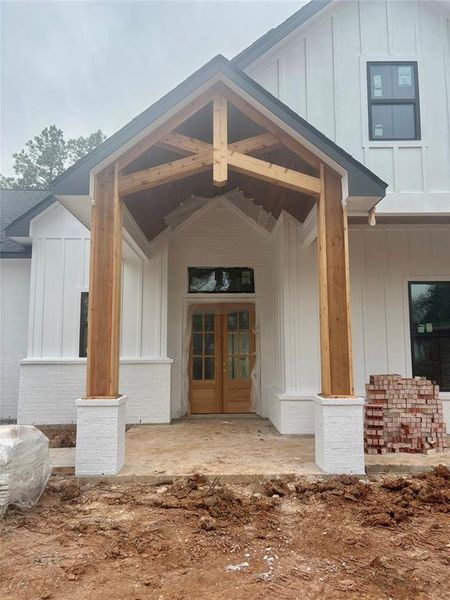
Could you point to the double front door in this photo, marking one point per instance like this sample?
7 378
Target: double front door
222 358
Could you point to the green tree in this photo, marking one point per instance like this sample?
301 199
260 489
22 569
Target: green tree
80 146
46 156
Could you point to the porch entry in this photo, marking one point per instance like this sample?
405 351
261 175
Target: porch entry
222 358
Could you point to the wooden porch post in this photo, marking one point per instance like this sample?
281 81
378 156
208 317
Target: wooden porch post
334 293
102 379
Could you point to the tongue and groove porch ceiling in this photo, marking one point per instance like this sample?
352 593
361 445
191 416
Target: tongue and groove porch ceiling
150 206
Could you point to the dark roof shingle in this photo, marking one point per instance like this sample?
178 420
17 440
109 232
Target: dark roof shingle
13 205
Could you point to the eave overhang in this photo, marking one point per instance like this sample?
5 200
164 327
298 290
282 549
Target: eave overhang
360 182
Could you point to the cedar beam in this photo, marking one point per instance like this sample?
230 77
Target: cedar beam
102 380
178 142
183 144
334 293
220 141
282 176
259 143
165 173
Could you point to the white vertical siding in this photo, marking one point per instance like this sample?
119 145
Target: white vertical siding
60 272
15 292
382 261
296 310
320 72
320 79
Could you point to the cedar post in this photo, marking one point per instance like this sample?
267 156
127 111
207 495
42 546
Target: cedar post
103 348
334 292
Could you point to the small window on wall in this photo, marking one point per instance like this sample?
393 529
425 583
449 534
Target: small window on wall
393 93
83 324
221 280
429 305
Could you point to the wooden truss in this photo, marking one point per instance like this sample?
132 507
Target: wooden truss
199 156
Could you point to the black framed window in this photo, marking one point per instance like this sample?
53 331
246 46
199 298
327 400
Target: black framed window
393 93
429 309
221 280
83 324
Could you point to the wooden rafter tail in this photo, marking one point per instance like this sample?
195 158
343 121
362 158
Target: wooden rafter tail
258 143
172 171
184 144
282 176
220 141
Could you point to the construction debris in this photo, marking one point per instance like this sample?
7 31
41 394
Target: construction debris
403 415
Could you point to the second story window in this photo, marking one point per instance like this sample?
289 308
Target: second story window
393 94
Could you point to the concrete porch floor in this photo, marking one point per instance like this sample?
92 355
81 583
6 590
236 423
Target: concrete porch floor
232 447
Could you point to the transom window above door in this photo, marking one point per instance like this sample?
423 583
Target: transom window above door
220 280
393 94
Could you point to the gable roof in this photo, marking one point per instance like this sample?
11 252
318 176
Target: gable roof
361 181
275 35
17 208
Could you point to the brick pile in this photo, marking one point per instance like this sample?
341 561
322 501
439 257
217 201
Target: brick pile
403 415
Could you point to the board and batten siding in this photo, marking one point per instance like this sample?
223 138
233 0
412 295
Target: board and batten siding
218 235
60 272
14 302
320 72
383 260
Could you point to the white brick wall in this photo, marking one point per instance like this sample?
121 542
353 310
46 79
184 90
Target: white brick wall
339 434
296 414
48 390
100 448
15 292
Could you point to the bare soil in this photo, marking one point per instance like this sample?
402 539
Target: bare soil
284 539
60 436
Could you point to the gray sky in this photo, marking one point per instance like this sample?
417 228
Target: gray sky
84 65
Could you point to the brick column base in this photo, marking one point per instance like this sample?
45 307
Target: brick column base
339 435
100 448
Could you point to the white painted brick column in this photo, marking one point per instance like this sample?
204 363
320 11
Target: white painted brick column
339 435
100 448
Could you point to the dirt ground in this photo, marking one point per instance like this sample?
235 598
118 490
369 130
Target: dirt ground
285 539
60 436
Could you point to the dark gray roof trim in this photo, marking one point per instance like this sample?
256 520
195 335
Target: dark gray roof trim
275 35
19 206
21 226
361 181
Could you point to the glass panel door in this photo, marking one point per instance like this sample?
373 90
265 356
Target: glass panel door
205 388
222 357
239 357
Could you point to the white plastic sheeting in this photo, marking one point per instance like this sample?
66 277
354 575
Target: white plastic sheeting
24 465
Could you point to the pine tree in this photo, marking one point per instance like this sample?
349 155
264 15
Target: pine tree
46 156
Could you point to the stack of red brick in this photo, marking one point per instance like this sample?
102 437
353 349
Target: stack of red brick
403 415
